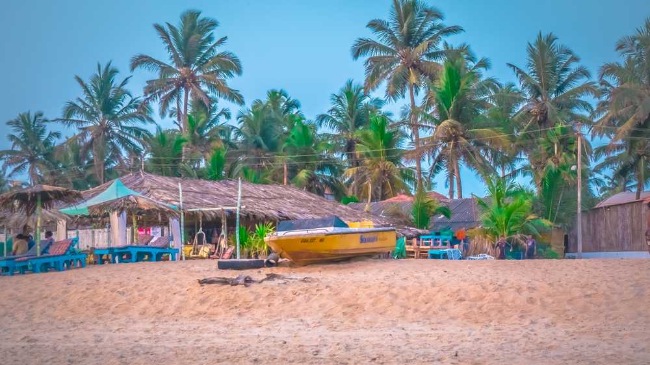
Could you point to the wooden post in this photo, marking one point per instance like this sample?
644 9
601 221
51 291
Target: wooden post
579 207
38 224
237 219
182 224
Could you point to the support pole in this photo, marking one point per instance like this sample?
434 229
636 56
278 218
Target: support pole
180 195
237 218
38 224
579 207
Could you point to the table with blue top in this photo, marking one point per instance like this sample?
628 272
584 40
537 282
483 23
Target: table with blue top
448 253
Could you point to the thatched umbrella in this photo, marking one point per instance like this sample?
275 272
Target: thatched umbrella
33 199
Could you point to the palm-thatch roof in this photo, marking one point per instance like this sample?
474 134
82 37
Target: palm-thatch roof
25 200
464 212
17 220
259 202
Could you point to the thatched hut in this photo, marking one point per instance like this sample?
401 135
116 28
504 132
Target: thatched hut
211 200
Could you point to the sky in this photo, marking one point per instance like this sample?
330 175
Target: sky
302 46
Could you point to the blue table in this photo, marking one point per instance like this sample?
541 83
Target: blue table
450 254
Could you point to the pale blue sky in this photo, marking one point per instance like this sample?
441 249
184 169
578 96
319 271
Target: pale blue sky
301 46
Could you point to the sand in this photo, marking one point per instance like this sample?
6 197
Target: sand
365 311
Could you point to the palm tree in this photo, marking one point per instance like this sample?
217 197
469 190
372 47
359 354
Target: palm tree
32 147
424 207
196 68
625 106
165 149
508 211
350 111
204 130
457 100
504 102
556 91
381 172
109 119
311 166
404 54
74 169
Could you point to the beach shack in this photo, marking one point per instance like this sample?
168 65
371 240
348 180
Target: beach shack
615 227
209 206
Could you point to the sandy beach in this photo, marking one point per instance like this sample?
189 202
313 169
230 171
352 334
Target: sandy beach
366 311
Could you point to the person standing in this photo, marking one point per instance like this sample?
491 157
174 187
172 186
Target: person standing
531 247
501 248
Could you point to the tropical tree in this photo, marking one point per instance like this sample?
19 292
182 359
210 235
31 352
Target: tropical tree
110 120
424 207
508 211
74 169
32 147
556 91
165 149
204 131
625 108
456 101
196 68
310 165
350 112
4 180
404 53
382 174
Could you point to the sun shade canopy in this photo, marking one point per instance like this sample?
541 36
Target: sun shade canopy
114 191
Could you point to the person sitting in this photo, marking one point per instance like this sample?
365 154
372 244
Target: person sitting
49 239
20 245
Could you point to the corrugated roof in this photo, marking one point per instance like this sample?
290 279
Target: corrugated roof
464 215
622 198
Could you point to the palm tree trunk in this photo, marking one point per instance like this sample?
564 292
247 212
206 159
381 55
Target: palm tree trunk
416 136
451 182
459 185
184 121
640 179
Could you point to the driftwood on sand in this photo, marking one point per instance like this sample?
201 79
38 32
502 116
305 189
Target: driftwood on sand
246 280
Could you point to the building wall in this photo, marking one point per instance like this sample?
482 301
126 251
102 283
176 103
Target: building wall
615 228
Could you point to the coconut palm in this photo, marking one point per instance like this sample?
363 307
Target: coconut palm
381 172
165 149
504 103
196 69
109 119
32 147
556 91
350 112
625 106
457 100
310 166
424 207
204 131
404 53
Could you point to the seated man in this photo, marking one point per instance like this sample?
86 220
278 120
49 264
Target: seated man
49 239
20 245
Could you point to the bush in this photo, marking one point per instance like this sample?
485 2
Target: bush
545 251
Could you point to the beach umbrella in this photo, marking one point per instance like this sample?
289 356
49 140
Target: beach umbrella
32 200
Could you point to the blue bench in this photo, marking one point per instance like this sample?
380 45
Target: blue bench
62 255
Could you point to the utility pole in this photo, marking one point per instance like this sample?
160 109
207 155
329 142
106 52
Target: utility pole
579 207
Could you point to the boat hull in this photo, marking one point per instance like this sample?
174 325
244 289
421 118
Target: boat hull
314 247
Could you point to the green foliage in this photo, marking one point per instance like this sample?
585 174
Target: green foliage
545 251
165 152
382 173
348 199
508 211
110 121
216 164
424 207
258 245
32 147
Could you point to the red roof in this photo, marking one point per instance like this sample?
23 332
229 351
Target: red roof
406 198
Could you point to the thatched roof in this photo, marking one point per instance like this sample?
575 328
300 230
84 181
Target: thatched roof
464 212
259 202
17 220
25 200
